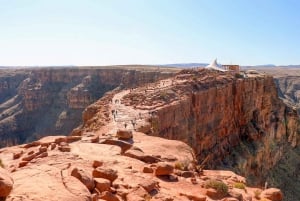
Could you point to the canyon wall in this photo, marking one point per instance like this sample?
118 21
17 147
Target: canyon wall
240 124
49 101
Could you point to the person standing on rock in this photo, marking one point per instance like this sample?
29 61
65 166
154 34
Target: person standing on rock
125 124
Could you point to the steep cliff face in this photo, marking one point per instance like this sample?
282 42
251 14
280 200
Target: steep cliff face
40 102
241 124
231 122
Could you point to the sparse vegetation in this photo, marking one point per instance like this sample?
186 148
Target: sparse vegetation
239 185
257 194
238 75
220 186
182 165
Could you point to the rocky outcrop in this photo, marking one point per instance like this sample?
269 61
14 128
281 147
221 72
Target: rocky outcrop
78 175
6 183
230 121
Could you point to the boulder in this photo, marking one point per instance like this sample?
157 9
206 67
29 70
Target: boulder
122 144
42 155
23 163
97 163
124 134
64 148
236 193
95 139
70 139
108 196
163 169
29 157
6 183
149 185
230 199
42 149
214 194
52 146
137 154
187 174
137 194
109 174
17 155
84 177
193 197
273 194
102 184
147 169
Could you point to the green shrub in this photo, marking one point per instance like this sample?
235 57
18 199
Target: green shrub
239 185
220 186
182 165
238 75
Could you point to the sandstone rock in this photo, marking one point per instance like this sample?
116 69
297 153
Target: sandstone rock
6 183
65 148
32 144
147 169
124 134
123 145
94 197
273 194
149 185
97 163
108 196
52 146
236 193
137 194
42 149
163 169
29 158
95 139
137 154
84 177
23 163
42 155
194 197
214 194
60 140
70 139
109 174
230 199
187 174
17 155
172 178
102 184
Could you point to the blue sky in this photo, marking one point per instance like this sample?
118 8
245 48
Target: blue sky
106 32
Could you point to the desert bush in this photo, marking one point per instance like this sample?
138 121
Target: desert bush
239 185
182 165
238 75
220 186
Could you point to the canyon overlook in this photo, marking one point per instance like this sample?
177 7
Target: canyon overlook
230 121
49 101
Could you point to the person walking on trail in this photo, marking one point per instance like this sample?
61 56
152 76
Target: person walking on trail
125 124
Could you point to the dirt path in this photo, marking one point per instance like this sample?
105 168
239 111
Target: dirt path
128 117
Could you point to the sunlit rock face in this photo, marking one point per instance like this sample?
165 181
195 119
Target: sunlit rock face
231 122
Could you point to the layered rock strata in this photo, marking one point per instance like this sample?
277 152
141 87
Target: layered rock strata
42 101
232 121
